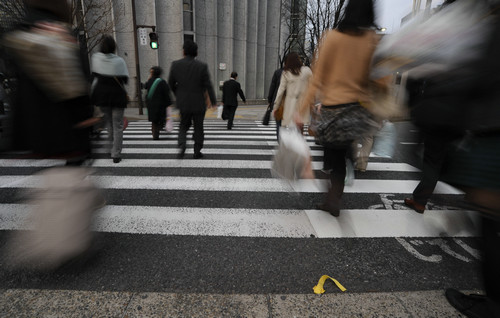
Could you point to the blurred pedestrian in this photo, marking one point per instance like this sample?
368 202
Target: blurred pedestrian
340 78
157 100
189 79
230 90
294 81
108 91
53 119
47 108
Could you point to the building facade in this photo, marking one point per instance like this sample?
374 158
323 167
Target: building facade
232 35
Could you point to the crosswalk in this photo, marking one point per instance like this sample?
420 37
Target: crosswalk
230 201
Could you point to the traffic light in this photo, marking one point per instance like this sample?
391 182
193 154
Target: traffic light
153 37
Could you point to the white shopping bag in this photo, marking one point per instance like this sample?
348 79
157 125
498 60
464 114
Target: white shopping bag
169 125
292 160
219 111
385 140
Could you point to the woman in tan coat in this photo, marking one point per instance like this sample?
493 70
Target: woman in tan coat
294 82
341 77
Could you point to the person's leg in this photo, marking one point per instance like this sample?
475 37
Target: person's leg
436 146
155 130
232 112
364 153
198 134
278 125
335 162
183 128
117 121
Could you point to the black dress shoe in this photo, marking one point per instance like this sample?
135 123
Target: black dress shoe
419 208
180 155
117 160
472 305
333 211
198 155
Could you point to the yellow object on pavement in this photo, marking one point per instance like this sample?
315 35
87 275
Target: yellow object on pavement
318 289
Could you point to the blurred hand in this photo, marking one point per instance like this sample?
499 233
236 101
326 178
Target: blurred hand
298 119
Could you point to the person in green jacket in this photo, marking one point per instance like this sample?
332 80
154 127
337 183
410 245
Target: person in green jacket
157 100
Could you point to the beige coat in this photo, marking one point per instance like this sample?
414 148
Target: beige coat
295 86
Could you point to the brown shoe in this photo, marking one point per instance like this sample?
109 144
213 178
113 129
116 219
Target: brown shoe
414 205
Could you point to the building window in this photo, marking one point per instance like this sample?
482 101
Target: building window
188 15
188 37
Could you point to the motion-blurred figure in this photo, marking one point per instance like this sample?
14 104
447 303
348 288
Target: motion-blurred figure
52 119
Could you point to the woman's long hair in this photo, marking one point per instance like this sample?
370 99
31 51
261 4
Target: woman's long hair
358 15
293 63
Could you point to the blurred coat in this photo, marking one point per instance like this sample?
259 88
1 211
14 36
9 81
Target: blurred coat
294 86
157 105
42 125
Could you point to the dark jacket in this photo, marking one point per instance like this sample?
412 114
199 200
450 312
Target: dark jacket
275 84
157 105
230 90
108 92
189 79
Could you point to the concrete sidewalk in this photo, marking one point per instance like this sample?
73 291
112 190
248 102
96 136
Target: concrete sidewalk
71 303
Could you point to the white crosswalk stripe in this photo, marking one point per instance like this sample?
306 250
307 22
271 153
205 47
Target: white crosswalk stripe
190 220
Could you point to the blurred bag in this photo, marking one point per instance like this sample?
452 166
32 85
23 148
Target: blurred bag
385 140
267 115
278 114
225 113
169 125
60 221
383 103
339 125
292 160
50 56
219 111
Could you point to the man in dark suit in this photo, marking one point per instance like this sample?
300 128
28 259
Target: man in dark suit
189 80
230 90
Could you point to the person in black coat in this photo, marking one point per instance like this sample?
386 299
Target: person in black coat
230 90
189 79
157 101
273 91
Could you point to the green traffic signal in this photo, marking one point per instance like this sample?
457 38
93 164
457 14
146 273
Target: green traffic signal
153 37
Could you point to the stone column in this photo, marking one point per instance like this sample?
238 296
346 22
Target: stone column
261 50
225 14
146 15
240 41
251 69
206 35
170 32
272 40
125 41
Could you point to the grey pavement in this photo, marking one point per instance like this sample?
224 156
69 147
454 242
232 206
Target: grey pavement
71 303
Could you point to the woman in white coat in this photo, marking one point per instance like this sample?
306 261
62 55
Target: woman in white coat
294 82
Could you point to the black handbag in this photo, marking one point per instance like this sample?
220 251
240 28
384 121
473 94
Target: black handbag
267 115
225 113
340 125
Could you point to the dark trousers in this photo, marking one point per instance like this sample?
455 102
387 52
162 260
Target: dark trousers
334 160
436 146
231 111
155 129
185 124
